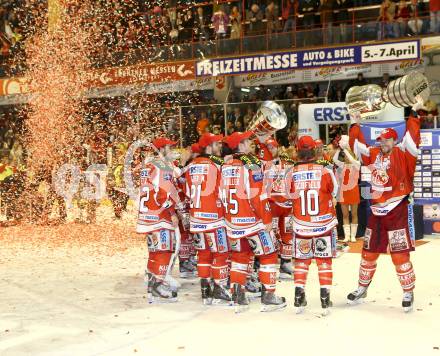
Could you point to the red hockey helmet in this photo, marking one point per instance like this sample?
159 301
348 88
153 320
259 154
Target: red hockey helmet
387 134
162 142
207 138
306 143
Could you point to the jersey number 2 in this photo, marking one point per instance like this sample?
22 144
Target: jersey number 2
144 199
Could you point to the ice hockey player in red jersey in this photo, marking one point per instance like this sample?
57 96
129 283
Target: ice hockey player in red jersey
157 218
206 219
313 187
275 172
390 226
187 268
248 222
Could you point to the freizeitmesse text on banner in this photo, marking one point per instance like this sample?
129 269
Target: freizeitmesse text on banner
326 57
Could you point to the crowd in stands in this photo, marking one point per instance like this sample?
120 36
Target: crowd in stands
110 118
143 25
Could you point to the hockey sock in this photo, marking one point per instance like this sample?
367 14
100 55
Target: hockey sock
325 272
367 268
185 246
239 267
151 264
162 260
268 271
204 263
405 271
220 268
250 267
192 248
301 271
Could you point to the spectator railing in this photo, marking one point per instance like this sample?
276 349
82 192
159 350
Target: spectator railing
334 33
360 24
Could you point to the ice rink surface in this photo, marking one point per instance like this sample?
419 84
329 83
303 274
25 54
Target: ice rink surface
81 299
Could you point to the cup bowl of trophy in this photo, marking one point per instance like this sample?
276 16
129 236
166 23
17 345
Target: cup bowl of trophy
269 118
368 100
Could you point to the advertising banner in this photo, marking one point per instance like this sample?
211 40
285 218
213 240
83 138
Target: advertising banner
310 116
329 73
145 73
315 58
427 175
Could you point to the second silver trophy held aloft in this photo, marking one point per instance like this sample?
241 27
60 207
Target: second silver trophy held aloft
269 118
402 92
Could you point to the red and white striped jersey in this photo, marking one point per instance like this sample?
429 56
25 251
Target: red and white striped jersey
202 187
158 197
313 186
275 181
391 174
245 202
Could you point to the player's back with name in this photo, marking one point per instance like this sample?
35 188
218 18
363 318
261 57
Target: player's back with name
202 187
313 186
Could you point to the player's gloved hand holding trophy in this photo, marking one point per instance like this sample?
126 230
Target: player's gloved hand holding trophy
363 101
366 100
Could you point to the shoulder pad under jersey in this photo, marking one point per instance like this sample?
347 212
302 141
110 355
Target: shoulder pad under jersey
217 160
286 158
250 161
323 162
162 165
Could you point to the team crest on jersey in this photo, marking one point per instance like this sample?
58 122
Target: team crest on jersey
167 176
379 175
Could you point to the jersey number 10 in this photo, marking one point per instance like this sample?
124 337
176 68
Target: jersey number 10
309 202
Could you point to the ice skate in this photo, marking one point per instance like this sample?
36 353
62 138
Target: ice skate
187 269
300 300
205 288
172 282
408 301
253 286
271 302
162 292
221 295
326 303
286 269
193 260
241 301
357 296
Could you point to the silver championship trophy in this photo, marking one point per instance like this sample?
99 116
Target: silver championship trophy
370 99
269 118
